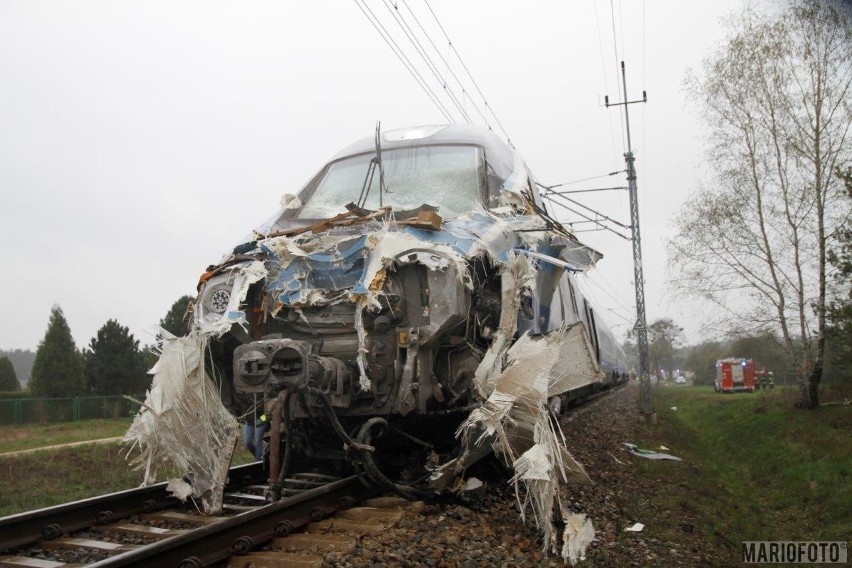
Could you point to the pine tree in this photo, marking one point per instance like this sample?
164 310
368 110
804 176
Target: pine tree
113 362
8 378
177 320
22 361
58 366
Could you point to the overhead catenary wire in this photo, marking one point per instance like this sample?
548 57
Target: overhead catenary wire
591 294
615 173
604 76
615 56
611 292
371 17
598 222
446 61
420 40
469 74
587 208
430 64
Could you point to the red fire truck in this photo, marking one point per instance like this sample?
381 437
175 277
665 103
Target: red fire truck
734 374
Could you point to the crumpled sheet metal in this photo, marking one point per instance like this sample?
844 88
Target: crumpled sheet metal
515 419
184 424
308 269
349 265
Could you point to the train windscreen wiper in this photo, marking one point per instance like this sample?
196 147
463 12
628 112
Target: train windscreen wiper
368 183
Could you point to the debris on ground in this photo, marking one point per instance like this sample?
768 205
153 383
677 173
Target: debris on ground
649 454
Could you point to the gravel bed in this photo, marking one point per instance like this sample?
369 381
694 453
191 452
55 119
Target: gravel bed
487 531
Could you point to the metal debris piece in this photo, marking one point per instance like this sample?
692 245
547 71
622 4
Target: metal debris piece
650 454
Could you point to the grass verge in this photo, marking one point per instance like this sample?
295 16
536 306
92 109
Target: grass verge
28 436
754 468
52 477
42 479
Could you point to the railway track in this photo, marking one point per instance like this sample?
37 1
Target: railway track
147 527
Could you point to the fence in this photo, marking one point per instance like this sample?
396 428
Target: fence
53 410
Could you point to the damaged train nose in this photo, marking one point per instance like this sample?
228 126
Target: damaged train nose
448 326
273 365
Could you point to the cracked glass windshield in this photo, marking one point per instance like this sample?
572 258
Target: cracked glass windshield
447 177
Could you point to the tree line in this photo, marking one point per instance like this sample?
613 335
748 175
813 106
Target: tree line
765 241
668 353
112 364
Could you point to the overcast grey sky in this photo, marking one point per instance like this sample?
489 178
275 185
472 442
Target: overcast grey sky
140 140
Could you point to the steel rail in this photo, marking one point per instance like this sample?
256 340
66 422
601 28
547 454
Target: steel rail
239 534
51 522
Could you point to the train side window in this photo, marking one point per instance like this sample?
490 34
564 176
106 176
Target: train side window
593 330
575 313
557 310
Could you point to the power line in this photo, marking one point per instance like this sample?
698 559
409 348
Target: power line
592 190
581 180
406 29
603 74
615 56
599 277
470 76
587 208
446 62
430 61
403 58
597 222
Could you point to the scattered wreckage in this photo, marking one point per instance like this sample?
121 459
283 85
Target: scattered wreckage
411 310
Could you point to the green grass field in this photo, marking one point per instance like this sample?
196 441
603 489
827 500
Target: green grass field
41 479
29 436
755 468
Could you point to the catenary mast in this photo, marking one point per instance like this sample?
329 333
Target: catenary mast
646 405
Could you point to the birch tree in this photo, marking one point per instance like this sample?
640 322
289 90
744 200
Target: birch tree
775 100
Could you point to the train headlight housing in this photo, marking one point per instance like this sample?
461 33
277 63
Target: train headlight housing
218 300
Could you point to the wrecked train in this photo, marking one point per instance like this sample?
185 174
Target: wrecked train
412 309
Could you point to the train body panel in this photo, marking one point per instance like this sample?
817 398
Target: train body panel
415 299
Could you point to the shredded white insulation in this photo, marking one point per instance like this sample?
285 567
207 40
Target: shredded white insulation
183 423
516 418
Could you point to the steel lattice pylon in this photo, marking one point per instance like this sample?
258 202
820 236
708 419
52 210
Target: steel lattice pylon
646 405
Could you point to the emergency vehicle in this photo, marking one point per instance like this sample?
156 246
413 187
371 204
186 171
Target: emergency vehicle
735 374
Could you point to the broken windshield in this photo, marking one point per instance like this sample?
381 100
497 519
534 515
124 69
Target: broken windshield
447 177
